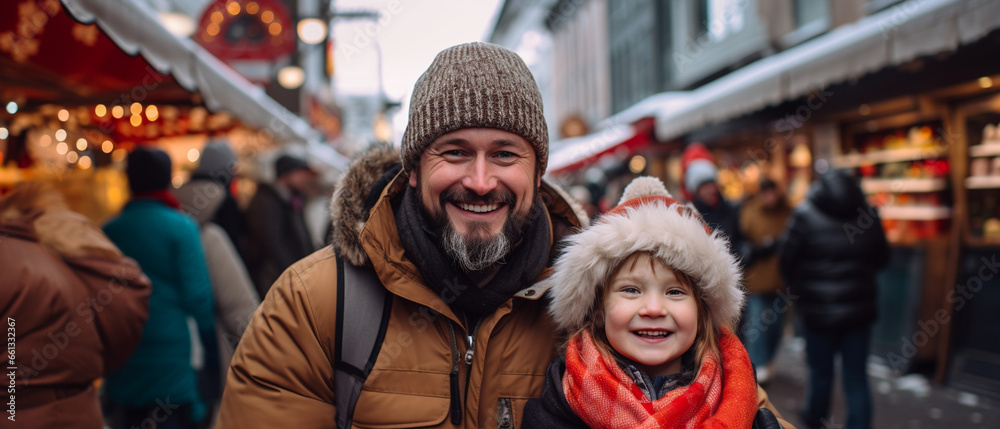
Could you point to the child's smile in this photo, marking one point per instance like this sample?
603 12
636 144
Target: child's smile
650 316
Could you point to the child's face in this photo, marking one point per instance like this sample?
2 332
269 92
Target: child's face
650 317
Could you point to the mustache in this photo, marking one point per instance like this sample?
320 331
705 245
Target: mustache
464 196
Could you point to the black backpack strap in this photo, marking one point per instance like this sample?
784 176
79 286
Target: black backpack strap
765 419
361 301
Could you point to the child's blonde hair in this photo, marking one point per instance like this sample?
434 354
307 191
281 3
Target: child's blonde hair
707 339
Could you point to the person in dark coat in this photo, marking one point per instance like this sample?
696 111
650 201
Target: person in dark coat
701 182
275 222
834 245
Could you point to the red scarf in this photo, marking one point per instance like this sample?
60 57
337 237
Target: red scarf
604 396
164 196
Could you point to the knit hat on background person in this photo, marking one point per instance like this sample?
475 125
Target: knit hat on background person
647 219
287 163
217 162
699 172
148 169
475 85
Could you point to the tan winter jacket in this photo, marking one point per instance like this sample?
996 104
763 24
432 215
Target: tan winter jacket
281 375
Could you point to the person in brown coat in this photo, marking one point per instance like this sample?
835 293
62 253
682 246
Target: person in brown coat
762 220
74 309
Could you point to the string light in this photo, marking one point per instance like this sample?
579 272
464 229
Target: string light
61 135
84 162
63 115
62 148
152 112
118 112
101 110
81 144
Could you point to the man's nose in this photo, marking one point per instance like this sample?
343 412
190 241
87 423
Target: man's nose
480 178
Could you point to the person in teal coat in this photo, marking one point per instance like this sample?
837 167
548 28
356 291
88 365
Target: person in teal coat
158 382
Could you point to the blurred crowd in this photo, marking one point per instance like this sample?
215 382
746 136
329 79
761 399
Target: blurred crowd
159 297
141 316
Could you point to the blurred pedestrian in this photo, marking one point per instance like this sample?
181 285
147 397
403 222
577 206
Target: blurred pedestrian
235 296
74 308
835 244
276 224
217 166
159 383
762 220
701 182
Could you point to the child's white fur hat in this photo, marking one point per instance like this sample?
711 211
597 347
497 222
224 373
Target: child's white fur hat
647 219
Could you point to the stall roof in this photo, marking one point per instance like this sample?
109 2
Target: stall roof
136 30
891 37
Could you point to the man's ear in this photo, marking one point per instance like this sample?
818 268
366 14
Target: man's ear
538 180
413 177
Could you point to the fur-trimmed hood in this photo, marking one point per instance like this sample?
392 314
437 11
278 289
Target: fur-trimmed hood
647 220
370 173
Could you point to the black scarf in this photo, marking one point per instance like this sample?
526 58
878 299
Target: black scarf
475 294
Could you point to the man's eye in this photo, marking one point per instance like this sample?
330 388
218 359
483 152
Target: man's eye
506 155
453 152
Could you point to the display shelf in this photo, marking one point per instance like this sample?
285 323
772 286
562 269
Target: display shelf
981 150
871 186
892 155
914 212
982 182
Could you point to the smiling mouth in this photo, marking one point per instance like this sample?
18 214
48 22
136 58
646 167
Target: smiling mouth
652 334
479 208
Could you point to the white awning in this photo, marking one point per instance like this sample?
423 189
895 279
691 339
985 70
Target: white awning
909 30
136 30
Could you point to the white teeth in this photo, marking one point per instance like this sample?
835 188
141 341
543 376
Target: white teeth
652 333
479 208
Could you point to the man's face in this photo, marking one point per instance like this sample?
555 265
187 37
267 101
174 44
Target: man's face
770 198
708 193
300 180
478 183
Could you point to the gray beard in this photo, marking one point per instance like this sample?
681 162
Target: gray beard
476 254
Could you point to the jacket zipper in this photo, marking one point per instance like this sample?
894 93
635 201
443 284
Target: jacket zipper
456 400
470 341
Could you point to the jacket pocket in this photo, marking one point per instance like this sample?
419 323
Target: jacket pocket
411 399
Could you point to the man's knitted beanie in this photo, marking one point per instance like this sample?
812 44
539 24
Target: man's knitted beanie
647 219
475 85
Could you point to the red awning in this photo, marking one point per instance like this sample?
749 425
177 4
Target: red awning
621 141
47 57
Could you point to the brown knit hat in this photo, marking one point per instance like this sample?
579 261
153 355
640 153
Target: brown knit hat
475 85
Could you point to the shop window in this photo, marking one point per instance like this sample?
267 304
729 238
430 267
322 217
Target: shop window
904 172
983 182
722 18
811 18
